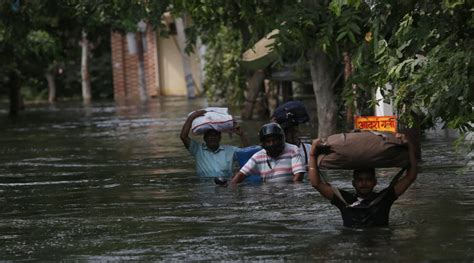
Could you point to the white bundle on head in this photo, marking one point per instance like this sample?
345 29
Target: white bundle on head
216 118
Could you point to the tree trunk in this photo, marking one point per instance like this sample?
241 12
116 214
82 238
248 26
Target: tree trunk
85 77
347 74
141 68
271 94
322 75
51 86
14 94
253 84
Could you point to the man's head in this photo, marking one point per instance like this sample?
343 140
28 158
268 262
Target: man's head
292 134
364 181
272 138
212 138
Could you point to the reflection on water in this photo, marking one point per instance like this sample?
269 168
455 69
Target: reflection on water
113 182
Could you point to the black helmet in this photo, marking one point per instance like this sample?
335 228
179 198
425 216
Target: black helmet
270 129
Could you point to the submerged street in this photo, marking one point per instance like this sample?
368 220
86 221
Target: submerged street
114 182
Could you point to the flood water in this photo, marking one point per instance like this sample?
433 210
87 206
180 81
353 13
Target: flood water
113 182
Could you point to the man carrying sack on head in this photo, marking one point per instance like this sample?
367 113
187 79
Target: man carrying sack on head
212 158
364 208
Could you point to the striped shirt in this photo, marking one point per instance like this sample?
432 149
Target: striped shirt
280 169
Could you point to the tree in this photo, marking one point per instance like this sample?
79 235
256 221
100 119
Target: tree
311 31
135 16
213 21
38 37
91 19
22 42
36 40
410 44
425 50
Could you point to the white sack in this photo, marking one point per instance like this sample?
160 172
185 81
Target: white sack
215 118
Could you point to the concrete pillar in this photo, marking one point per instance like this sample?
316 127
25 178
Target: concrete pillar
383 109
151 63
118 64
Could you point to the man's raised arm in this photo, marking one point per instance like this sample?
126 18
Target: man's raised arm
187 126
244 142
313 174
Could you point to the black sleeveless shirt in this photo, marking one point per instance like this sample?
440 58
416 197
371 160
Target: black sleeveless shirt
372 211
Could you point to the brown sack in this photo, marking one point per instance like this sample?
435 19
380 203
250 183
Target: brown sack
364 149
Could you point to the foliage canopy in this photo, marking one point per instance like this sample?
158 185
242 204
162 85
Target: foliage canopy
424 49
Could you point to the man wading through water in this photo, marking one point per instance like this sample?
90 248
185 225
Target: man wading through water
278 161
289 116
212 158
366 207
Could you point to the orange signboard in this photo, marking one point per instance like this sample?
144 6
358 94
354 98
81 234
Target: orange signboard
376 123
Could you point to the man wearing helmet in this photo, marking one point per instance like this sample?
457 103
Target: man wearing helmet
278 161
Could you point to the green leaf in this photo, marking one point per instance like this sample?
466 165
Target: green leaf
355 28
336 6
351 37
341 35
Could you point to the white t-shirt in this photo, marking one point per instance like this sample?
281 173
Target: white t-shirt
305 149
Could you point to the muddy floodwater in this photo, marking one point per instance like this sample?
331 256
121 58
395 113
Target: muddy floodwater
113 182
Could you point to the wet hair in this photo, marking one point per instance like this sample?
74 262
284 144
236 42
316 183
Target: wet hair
211 132
360 171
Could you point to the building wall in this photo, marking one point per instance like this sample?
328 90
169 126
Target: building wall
125 65
173 82
164 73
118 65
171 70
